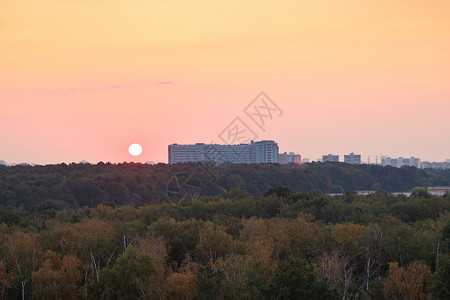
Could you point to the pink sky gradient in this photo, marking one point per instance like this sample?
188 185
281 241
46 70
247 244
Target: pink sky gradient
82 80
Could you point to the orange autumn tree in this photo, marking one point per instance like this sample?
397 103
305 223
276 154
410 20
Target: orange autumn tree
63 238
23 254
213 242
255 231
300 237
58 278
346 237
182 285
5 280
157 249
409 283
256 234
97 248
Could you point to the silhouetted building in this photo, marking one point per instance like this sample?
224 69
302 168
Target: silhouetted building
289 158
436 165
352 159
400 162
255 152
263 152
330 157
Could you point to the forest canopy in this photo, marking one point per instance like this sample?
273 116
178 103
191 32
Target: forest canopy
281 245
133 231
76 185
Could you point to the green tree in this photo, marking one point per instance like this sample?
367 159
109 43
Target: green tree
441 280
213 242
419 191
295 279
280 191
132 276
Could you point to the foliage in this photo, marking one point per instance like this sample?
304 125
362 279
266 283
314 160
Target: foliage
295 279
50 188
441 280
280 245
58 278
131 276
6 278
408 283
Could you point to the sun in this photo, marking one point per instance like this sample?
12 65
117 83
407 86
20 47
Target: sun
135 149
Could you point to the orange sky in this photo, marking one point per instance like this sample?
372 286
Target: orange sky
81 80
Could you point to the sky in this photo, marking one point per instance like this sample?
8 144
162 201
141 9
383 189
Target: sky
83 79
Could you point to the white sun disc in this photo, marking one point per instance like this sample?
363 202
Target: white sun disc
135 149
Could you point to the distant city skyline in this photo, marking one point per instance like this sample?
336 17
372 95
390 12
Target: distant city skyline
83 80
296 158
299 157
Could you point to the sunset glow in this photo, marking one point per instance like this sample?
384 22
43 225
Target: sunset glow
80 79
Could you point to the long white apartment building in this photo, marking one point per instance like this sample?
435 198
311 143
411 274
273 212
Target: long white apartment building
400 162
256 152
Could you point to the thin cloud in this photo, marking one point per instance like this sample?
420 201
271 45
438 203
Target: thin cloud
111 87
98 88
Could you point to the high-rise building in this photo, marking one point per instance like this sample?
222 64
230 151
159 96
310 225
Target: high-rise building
255 152
289 158
186 153
236 154
263 152
330 157
352 158
400 162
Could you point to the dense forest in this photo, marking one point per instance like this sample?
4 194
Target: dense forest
200 231
61 186
280 245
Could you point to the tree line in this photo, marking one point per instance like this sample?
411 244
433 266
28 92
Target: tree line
71 186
